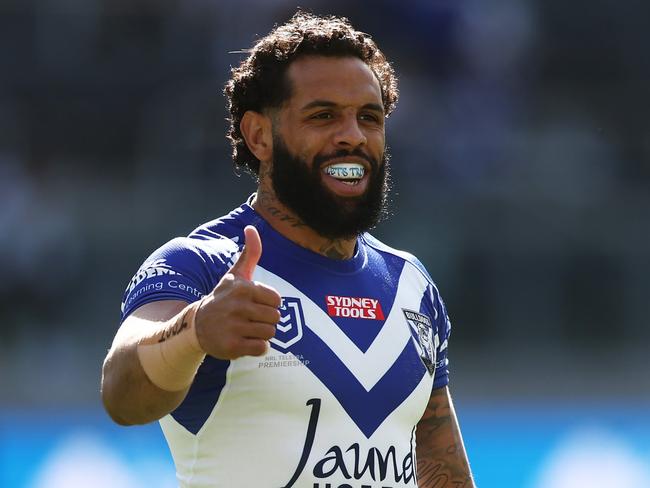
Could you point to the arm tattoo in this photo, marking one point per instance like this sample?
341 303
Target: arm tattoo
176 329
441 458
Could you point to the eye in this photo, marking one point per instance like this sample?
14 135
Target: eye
322 116
369 117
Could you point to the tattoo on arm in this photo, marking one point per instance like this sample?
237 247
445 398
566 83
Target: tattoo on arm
176 329
441 458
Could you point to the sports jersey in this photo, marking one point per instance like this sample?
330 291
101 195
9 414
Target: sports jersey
335 401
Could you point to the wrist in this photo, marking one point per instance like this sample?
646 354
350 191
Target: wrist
171 357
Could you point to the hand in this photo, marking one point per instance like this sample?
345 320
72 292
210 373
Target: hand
239 317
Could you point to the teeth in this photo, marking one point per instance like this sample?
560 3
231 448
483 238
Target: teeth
346 171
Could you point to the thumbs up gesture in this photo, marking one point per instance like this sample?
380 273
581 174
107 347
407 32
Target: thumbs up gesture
239 317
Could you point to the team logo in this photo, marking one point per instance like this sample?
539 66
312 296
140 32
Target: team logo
423 338
289 330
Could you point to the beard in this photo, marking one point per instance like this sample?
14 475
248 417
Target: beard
300 188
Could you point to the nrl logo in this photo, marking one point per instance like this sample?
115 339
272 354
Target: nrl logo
289 330
423 339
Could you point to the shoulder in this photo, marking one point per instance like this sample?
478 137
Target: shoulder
192 250
181 262
208 248
186 268
213 242
378 246
229 227
222 236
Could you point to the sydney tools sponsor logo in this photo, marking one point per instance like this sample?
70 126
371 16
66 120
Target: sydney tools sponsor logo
354 307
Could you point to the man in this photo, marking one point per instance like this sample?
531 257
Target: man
281 345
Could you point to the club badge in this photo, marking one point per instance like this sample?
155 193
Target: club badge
423 338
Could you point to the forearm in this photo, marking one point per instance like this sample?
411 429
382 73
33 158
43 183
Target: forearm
128 394
140 375
441 457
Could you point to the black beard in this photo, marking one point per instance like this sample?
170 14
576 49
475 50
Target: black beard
300 188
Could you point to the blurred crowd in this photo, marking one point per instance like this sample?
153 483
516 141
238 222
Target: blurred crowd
520 159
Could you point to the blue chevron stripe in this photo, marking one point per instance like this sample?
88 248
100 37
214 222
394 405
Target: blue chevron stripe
368 409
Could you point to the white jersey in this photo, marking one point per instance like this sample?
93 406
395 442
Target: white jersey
335 401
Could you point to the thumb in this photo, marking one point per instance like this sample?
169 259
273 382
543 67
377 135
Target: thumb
248 259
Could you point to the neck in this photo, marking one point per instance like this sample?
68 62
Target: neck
287 223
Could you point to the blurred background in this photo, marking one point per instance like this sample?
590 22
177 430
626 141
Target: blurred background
521 164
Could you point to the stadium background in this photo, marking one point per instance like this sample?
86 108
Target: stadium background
521 162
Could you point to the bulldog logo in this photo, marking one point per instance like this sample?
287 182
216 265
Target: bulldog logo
423 338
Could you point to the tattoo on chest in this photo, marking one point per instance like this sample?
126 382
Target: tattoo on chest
334 250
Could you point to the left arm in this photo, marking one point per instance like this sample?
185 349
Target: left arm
441 458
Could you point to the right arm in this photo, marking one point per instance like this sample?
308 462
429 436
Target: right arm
156 352
128 394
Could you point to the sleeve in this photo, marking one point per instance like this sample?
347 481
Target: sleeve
433 306
179 270
442 331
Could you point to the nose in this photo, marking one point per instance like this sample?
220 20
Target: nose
349 134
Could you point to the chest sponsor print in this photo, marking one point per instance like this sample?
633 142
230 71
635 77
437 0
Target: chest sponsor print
354 307
380 467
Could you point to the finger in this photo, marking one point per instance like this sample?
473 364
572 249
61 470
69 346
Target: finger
266 295
261 313
250 256
253 347
257 330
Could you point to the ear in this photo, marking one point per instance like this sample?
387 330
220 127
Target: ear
258 134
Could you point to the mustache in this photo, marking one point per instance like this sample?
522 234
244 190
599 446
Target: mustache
341 153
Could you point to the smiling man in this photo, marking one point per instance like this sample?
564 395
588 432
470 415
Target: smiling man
281 345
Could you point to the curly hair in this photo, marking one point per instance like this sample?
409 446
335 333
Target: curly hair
259 82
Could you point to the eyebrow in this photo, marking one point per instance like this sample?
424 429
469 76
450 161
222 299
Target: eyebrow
327 103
